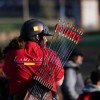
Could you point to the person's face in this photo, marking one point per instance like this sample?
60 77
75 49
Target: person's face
98 83
43 42
79 60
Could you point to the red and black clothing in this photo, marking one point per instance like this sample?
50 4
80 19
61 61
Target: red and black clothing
90 92
90 96
19 73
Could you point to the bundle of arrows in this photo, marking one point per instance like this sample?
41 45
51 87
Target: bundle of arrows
65 38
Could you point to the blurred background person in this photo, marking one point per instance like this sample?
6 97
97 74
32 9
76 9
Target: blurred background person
92 91
73 81
88 78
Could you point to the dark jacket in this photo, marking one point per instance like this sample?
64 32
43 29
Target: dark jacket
73 82
90 92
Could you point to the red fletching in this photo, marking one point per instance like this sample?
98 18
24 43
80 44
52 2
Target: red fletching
77 38
57 26
71 31
72 35
61 28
